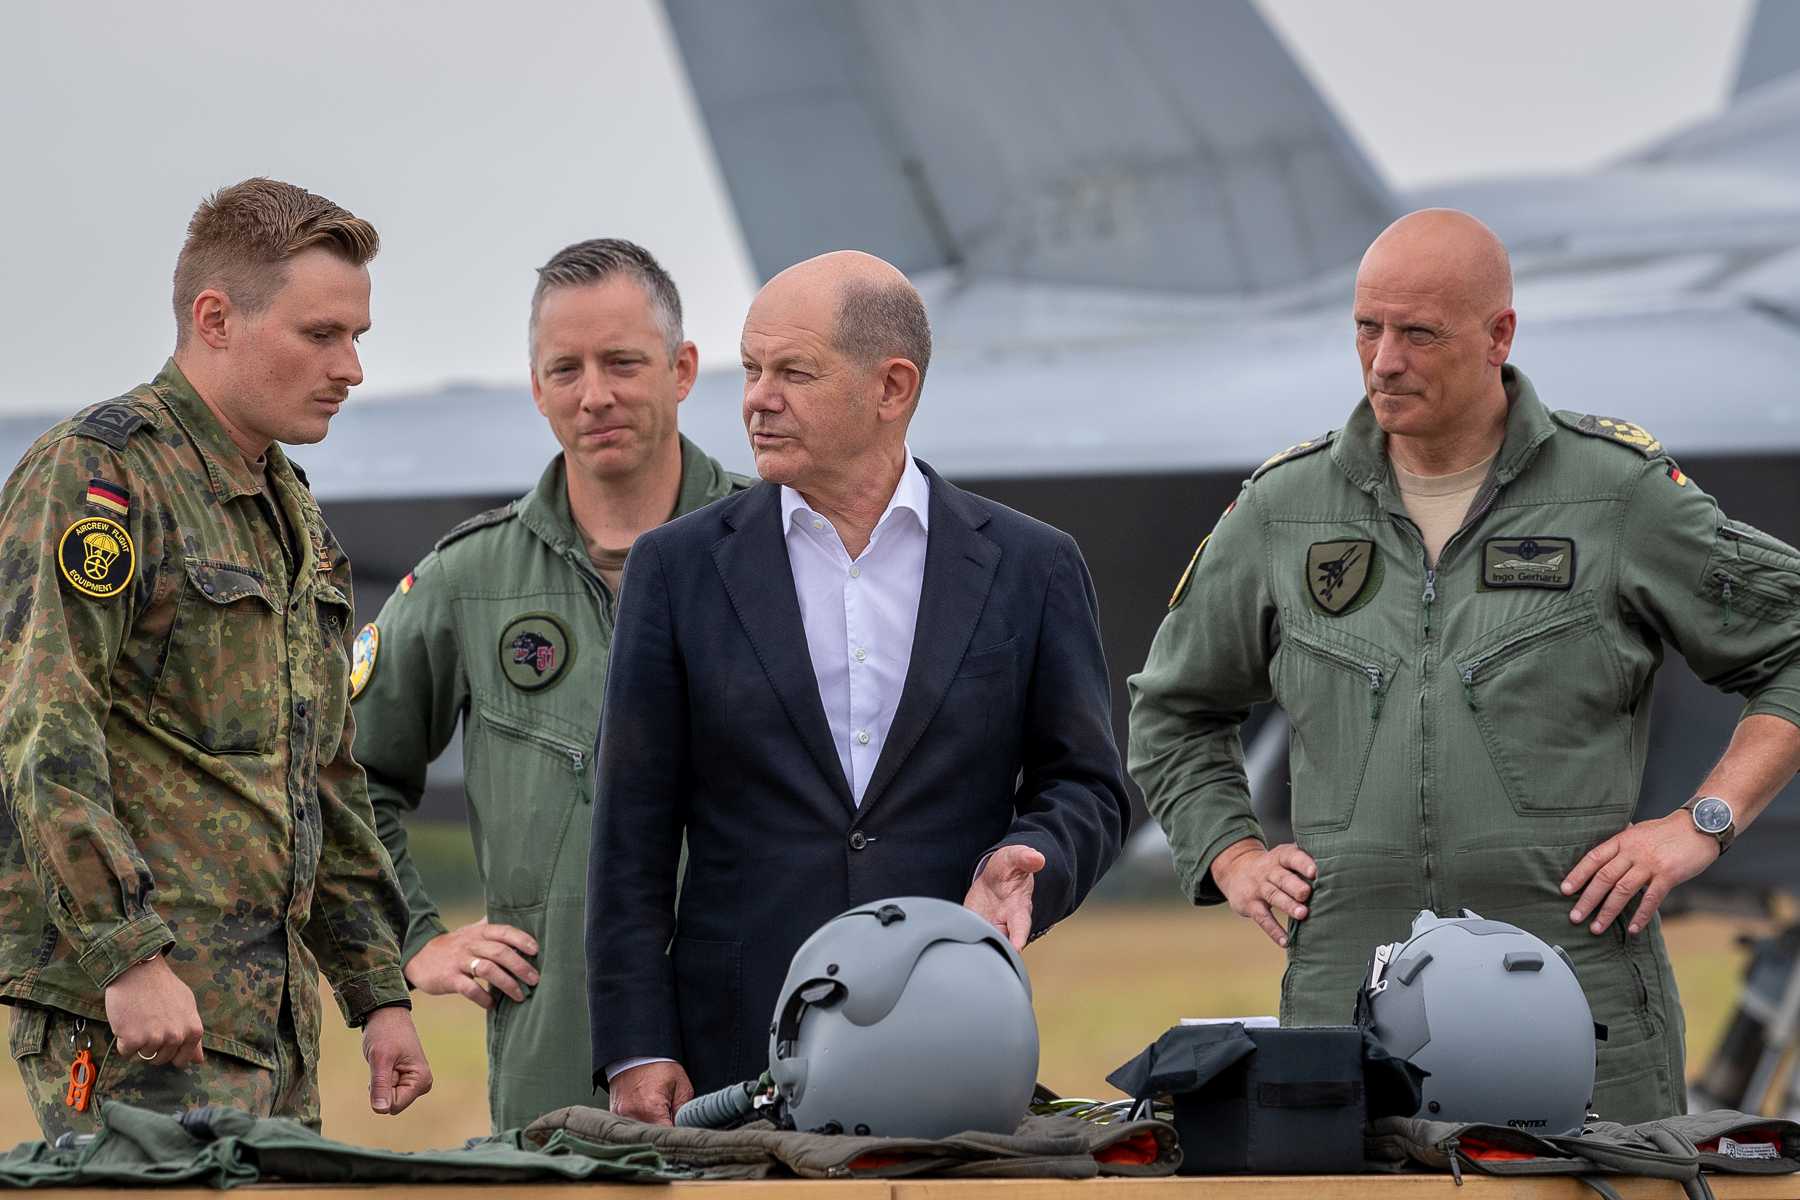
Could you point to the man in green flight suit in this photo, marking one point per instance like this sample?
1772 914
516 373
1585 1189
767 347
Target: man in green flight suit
505 627
1461 600
185 840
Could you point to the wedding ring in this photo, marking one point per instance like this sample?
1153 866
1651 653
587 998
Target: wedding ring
473 964
150 1057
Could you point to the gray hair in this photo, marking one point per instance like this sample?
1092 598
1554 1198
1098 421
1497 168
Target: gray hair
877 321
597 260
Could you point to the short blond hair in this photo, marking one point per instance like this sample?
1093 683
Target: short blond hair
241 238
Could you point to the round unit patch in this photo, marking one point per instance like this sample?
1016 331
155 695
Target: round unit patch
96 557
535 650
362 658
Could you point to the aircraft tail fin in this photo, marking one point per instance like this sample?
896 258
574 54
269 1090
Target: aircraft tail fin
1772 46
1157 144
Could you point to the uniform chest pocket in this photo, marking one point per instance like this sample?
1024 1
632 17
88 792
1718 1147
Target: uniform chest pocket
219 683
1548 695
1333 690
526 781
332 609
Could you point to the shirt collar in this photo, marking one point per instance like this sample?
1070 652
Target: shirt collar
912 494
226 469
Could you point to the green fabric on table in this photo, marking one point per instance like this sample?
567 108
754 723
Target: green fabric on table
224 1148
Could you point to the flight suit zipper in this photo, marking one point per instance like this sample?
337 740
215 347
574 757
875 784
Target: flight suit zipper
569 752
1427 597
1549 632
1377 677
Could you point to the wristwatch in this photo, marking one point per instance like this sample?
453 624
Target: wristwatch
1713 817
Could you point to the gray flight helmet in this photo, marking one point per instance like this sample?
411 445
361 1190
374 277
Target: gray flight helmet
908 1017
1495 1015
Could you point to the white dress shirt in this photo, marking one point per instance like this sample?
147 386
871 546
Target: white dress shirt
860 614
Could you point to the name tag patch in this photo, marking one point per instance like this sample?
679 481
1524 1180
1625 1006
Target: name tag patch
1530 561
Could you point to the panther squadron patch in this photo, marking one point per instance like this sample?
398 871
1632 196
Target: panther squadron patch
535 651
1342 576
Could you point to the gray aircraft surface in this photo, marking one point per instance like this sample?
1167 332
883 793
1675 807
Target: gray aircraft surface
1136 226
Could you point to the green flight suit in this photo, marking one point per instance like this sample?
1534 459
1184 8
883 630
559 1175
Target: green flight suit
1460 737
505 627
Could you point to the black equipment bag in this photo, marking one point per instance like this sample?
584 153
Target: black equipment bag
1272 1101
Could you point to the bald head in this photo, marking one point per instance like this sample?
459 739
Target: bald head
1434 327
1444 252
876 313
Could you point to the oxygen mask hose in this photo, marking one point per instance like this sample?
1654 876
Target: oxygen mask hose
732 1105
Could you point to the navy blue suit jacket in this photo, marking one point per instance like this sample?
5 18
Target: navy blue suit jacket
713 728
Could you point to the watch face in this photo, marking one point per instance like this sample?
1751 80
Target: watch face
1712 815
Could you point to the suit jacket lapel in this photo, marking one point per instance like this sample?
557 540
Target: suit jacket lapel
959 572
753 562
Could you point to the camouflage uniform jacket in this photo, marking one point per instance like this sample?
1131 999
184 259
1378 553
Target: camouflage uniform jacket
175 736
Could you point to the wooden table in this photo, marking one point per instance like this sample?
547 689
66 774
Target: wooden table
1217 1187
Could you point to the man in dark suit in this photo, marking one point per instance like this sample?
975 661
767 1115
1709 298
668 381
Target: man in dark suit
851 681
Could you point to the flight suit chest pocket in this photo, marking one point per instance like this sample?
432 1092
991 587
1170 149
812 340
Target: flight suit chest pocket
1334 689
219 687
1548 694
332 610
527 781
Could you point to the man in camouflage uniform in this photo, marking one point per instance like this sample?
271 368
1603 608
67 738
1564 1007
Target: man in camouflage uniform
185 840
505 628
1461 600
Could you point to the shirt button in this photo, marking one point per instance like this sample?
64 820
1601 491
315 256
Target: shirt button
857 840
861 654
818 524
855 572
862 737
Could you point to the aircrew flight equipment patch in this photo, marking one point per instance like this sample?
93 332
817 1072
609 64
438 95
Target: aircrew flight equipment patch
1342 576
362 658
1531 561
535 651
96 557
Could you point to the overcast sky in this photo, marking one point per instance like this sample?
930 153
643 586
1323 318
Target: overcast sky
480 137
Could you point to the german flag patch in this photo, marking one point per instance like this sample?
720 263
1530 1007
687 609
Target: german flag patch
1676 473
105 494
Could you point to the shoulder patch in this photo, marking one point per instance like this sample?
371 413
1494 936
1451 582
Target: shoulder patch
1297 450
480 520
1612 429
113 423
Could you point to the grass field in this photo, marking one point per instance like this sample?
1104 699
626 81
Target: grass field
1107 982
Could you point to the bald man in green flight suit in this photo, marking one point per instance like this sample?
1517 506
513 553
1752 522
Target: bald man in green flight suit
1461 600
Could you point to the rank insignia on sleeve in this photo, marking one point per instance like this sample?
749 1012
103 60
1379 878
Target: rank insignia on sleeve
535 651
96 557
1342 576
362 658
103 493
